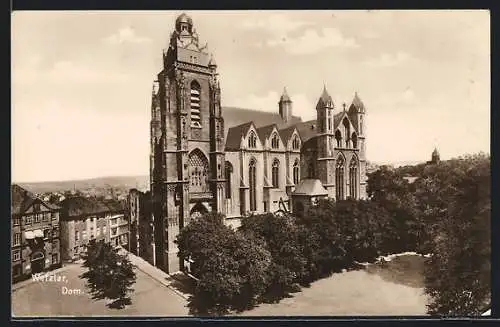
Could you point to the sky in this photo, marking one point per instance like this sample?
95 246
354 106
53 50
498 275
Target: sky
81 81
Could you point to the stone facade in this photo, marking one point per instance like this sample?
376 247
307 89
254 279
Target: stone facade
198 166
84 219
35 234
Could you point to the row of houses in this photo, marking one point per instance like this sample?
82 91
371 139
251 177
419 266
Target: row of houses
44 235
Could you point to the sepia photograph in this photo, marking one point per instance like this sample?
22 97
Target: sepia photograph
251 163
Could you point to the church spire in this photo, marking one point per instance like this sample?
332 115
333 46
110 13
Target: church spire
285 106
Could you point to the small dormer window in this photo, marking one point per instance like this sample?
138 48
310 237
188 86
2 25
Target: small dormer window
295 143
252 140
275 142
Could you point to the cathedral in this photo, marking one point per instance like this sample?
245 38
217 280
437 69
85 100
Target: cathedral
236 161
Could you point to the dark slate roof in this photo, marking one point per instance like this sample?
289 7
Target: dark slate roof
265 131
307 129
237 116
311 187
286 133
234 134
81 206
22 199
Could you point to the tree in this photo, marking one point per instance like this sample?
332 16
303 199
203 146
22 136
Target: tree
281 236
457 275
391 191
232 269
109 274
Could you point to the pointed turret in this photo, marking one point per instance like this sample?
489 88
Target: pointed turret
325 100
284 96
285 107
212 63
435 158
357 105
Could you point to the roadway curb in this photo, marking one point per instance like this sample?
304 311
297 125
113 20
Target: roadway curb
156 271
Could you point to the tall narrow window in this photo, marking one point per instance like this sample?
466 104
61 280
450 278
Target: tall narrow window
296 176
195 104
252 171
275 173
339 178
347 131
198 172
275 141
361 125
354 139
295 143
228 173
353 178
252 140
338 138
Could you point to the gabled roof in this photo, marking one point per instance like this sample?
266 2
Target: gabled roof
22 199
81 206
265 131
234 116
286 133
234 135
307 129
310 187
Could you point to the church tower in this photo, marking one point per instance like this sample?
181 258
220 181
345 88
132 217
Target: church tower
357 112
285 107
187 132
325 165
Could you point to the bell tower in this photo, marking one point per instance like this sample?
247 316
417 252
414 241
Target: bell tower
325 161
189 158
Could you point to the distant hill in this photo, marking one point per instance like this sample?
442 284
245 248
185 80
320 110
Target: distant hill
117 182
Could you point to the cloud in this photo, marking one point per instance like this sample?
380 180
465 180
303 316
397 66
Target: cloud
65 71
389 60
126 35
312 41
276 24
370 35
302 106
94 143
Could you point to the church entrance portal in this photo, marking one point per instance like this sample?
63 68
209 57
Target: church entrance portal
198 211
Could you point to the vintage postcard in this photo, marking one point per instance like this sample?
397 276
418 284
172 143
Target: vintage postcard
250 163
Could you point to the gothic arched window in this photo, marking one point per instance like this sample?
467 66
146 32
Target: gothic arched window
275 173
338 138
296 176
354 139
252 140
347 131
339 178
353 178
198 172
252 176
195 104
275 141
361 125
228 173
295 143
